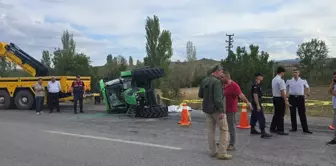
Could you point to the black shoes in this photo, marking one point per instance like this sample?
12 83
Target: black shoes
254 132
332 142
263 133
75 112
293 130
308 132
305 131
282 133
278 132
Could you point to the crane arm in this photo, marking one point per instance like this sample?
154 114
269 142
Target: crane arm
14 54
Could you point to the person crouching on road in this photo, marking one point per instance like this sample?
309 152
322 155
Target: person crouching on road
211 91
231 93
77 93
39 96
54 87
332 91
258 111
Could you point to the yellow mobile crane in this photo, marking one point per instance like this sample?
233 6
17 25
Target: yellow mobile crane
19 91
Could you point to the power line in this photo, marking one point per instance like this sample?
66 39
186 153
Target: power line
230 41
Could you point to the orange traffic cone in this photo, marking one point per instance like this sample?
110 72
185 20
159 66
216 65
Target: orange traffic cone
243 122
185 120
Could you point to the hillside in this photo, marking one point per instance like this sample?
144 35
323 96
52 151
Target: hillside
288 61
208 63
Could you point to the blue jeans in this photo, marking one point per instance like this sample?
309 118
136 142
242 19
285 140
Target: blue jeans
39 103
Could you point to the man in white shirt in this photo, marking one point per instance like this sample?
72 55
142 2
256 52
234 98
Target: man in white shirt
296 88
279 102
54 88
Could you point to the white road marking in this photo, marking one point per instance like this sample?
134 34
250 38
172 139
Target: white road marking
114 140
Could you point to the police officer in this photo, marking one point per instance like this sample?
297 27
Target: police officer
78 92
280 102
257 111
296 88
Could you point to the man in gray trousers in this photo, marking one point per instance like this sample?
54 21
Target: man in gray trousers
39 96
231 93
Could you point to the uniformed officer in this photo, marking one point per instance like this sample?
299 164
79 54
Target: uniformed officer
257 111
296 88
78 92
280 102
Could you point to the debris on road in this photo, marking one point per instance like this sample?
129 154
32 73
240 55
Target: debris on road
176 108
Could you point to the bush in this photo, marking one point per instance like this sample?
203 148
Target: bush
170 88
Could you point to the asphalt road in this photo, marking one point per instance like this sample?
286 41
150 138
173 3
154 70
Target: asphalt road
99 139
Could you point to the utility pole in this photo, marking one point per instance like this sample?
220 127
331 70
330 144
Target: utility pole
230 41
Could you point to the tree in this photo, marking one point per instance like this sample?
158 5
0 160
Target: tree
67 62
11 66
158 47
130 61
139 64
14 67
242 65
122 63
109 58
191 51
46 59
113 67
191 58
3 67
313 55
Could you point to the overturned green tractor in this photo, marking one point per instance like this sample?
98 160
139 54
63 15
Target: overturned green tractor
132 93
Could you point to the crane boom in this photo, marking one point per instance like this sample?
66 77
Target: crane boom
14 54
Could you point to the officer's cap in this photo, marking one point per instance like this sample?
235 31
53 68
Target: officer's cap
258 74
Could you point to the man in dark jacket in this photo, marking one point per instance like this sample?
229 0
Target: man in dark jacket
211 91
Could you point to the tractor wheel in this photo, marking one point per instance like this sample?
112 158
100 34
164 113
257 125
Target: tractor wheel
154 112
24 100
5 100
148 73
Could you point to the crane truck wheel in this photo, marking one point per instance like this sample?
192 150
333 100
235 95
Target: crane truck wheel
154 112
24 100
4 100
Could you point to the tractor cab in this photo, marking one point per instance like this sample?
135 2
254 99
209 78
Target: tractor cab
133 93
114 92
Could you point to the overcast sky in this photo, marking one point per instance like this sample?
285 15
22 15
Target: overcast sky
118 27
